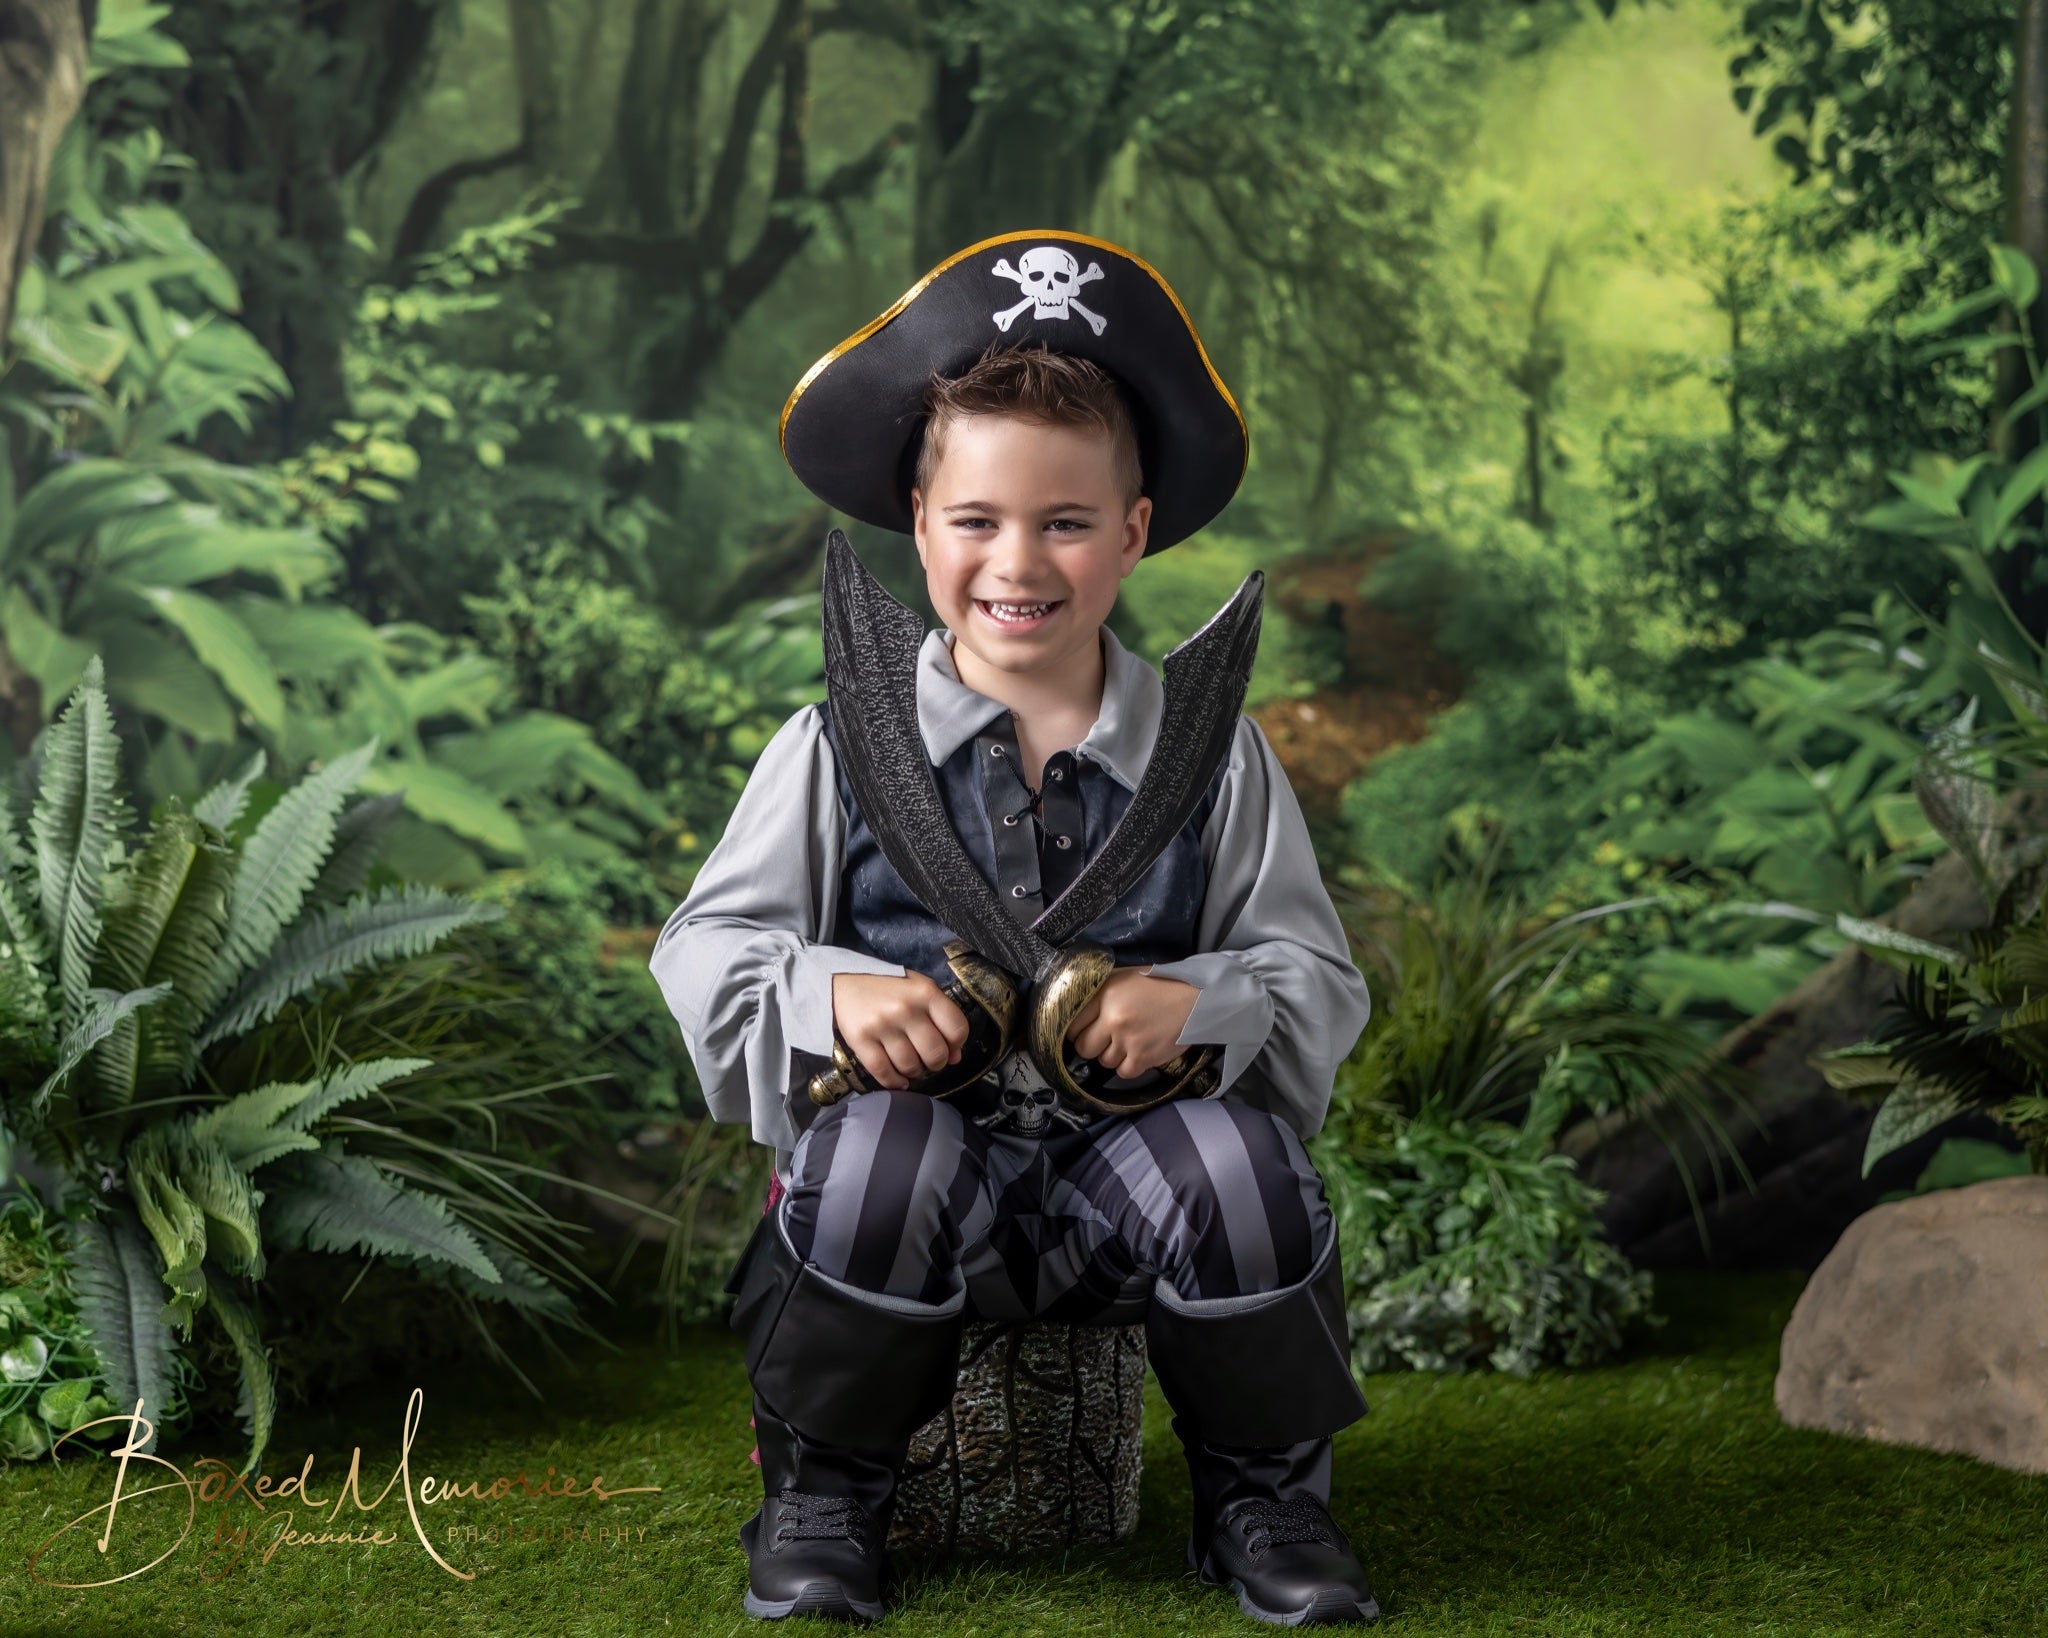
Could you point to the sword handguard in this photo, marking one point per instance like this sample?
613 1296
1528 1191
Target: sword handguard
980 989
1060 997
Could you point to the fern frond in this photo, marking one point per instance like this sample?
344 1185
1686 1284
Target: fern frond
358 838
280 861
174 1221
18 924
120 1295
336 942
257 1403
75 822
332 1201
520 1285
105 1010
354 1081
228 1200
224 804
165 918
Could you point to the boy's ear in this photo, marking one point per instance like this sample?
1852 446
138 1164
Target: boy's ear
917 520
1137 530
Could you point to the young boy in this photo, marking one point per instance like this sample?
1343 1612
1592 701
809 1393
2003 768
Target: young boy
1034 463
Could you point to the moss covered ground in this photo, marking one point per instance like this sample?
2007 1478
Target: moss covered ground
1657 1495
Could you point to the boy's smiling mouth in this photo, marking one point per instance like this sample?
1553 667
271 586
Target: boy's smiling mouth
1012 616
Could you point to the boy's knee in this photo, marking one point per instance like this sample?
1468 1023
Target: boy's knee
870 1172
1254 1204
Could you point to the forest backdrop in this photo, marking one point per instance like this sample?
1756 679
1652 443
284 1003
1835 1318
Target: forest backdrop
1644 457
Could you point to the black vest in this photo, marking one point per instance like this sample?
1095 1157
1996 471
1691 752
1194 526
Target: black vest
1029 860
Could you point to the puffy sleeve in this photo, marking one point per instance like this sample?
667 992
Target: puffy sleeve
1280 992
743 961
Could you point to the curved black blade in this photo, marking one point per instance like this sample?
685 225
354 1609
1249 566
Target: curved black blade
1206 679
871 647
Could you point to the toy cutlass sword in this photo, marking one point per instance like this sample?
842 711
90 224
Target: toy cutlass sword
871 646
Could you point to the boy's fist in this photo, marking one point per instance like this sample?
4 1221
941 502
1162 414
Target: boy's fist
897 1027
1134 1021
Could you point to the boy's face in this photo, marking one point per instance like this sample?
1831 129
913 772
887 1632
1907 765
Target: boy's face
1022 513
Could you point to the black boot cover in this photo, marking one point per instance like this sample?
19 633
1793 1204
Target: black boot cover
842 1379
1259 1384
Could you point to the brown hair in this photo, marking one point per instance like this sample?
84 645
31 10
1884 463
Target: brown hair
1034 384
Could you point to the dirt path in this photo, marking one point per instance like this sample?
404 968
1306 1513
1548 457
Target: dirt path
1395 680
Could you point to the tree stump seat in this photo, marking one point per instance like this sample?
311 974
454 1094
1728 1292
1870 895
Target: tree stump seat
1041 1448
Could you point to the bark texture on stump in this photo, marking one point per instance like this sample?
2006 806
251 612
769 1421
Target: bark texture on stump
1041 1448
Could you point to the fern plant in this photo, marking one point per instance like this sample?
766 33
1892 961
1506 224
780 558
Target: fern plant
130 967
1963 1031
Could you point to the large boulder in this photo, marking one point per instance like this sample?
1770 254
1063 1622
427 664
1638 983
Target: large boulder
1928 1325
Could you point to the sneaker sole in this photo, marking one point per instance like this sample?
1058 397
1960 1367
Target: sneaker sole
1333 1607
825 1599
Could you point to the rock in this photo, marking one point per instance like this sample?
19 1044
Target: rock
1928 1325
1041 1448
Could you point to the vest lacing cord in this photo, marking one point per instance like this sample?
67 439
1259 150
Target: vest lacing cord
805 1517
1276 1523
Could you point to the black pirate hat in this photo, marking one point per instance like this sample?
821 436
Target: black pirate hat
852 429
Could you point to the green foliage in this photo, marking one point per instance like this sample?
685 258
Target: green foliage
1471 1240
49 1372
1477 999
1890 102
1964 1030
208 588
214 934
1472 1245
690 710
565 930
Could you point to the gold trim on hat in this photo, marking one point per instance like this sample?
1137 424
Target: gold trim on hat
905 299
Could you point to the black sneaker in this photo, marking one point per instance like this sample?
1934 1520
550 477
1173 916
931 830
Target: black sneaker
813 1555
1289 1563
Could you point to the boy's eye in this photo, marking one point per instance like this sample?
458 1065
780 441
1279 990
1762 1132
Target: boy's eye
1067 524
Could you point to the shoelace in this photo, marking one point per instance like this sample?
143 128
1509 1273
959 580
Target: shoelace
1276 1523
804 1517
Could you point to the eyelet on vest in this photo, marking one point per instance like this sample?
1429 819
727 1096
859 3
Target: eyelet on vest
1018 892
1059 773
1009 818
1066 841
995 750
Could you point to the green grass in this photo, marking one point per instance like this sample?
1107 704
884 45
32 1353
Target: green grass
1660 1495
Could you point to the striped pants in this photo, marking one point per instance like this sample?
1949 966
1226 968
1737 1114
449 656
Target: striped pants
897 1193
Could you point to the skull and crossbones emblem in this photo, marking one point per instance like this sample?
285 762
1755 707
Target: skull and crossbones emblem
1051 279
1026 1103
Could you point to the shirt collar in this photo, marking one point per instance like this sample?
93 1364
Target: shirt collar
949 713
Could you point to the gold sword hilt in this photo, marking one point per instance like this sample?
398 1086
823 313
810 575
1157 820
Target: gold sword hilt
982 991
1059 998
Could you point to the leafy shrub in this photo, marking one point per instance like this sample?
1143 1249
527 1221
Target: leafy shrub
1471 1244
49 1370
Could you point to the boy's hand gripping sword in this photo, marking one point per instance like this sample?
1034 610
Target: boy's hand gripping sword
871 647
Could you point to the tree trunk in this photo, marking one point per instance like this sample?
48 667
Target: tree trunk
44 45
2026 226
1805 1145
986 168
1041 1448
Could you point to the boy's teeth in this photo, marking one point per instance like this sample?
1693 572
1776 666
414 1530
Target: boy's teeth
1020 610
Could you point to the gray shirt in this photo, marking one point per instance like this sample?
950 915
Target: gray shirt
745 970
